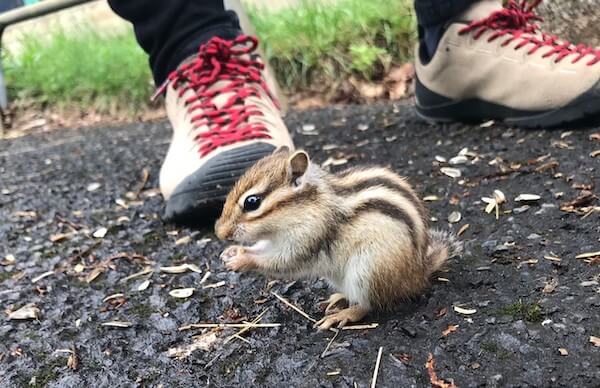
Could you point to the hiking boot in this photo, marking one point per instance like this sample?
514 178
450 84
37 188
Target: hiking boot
224 119
496 63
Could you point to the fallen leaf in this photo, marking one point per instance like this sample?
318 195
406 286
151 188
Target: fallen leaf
203 342
29 311
595 136
311 102
595 154
552 258
24 214
119 324
33 124
435 381
308 127
451 172
404 357
397 81
595 340
404 72
499 197
181 268
527 198
40 277
8 260
563 145
143 285
113 296
60 236
93 186
431 198
123 219
367 90
460 159
121 202
100 233
550 286
182 293
547 166
454 200
450 329
443 311
587 255
464 311
487 124
583 186
563 351
454 217
491 204
73 360
585 198
397 90
331 161
214 285
94 274
183 240
463 229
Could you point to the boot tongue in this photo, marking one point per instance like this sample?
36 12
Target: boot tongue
480 10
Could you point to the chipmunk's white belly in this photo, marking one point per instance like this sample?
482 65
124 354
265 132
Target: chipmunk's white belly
355 279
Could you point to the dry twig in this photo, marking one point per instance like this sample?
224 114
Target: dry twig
376 371
297 309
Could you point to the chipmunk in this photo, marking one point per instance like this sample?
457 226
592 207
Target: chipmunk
364 230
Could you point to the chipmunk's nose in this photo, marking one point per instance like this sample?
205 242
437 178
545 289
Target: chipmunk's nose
223 229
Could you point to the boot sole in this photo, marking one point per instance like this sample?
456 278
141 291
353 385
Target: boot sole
199 199
436 108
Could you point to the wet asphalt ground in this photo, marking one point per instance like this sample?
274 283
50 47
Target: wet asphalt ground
82 244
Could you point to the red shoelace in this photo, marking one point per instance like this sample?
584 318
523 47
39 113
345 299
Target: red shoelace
518 21
222 60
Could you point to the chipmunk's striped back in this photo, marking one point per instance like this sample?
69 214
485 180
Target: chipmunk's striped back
380 190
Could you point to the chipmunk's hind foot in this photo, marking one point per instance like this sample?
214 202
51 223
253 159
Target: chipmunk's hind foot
334 303
351 314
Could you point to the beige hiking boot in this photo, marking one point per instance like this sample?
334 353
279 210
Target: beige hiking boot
496 63
224 119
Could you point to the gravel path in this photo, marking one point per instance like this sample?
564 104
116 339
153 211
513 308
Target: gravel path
79 215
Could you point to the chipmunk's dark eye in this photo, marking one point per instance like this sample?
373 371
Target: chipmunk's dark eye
252 202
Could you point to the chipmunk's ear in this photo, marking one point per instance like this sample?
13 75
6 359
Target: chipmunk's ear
298 163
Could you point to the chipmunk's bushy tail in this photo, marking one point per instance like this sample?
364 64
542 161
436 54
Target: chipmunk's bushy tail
442 246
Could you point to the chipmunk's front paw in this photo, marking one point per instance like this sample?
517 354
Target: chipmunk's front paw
236 258
232 251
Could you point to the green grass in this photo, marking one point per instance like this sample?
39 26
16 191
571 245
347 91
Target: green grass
530 312
312 46
82 70
321 41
